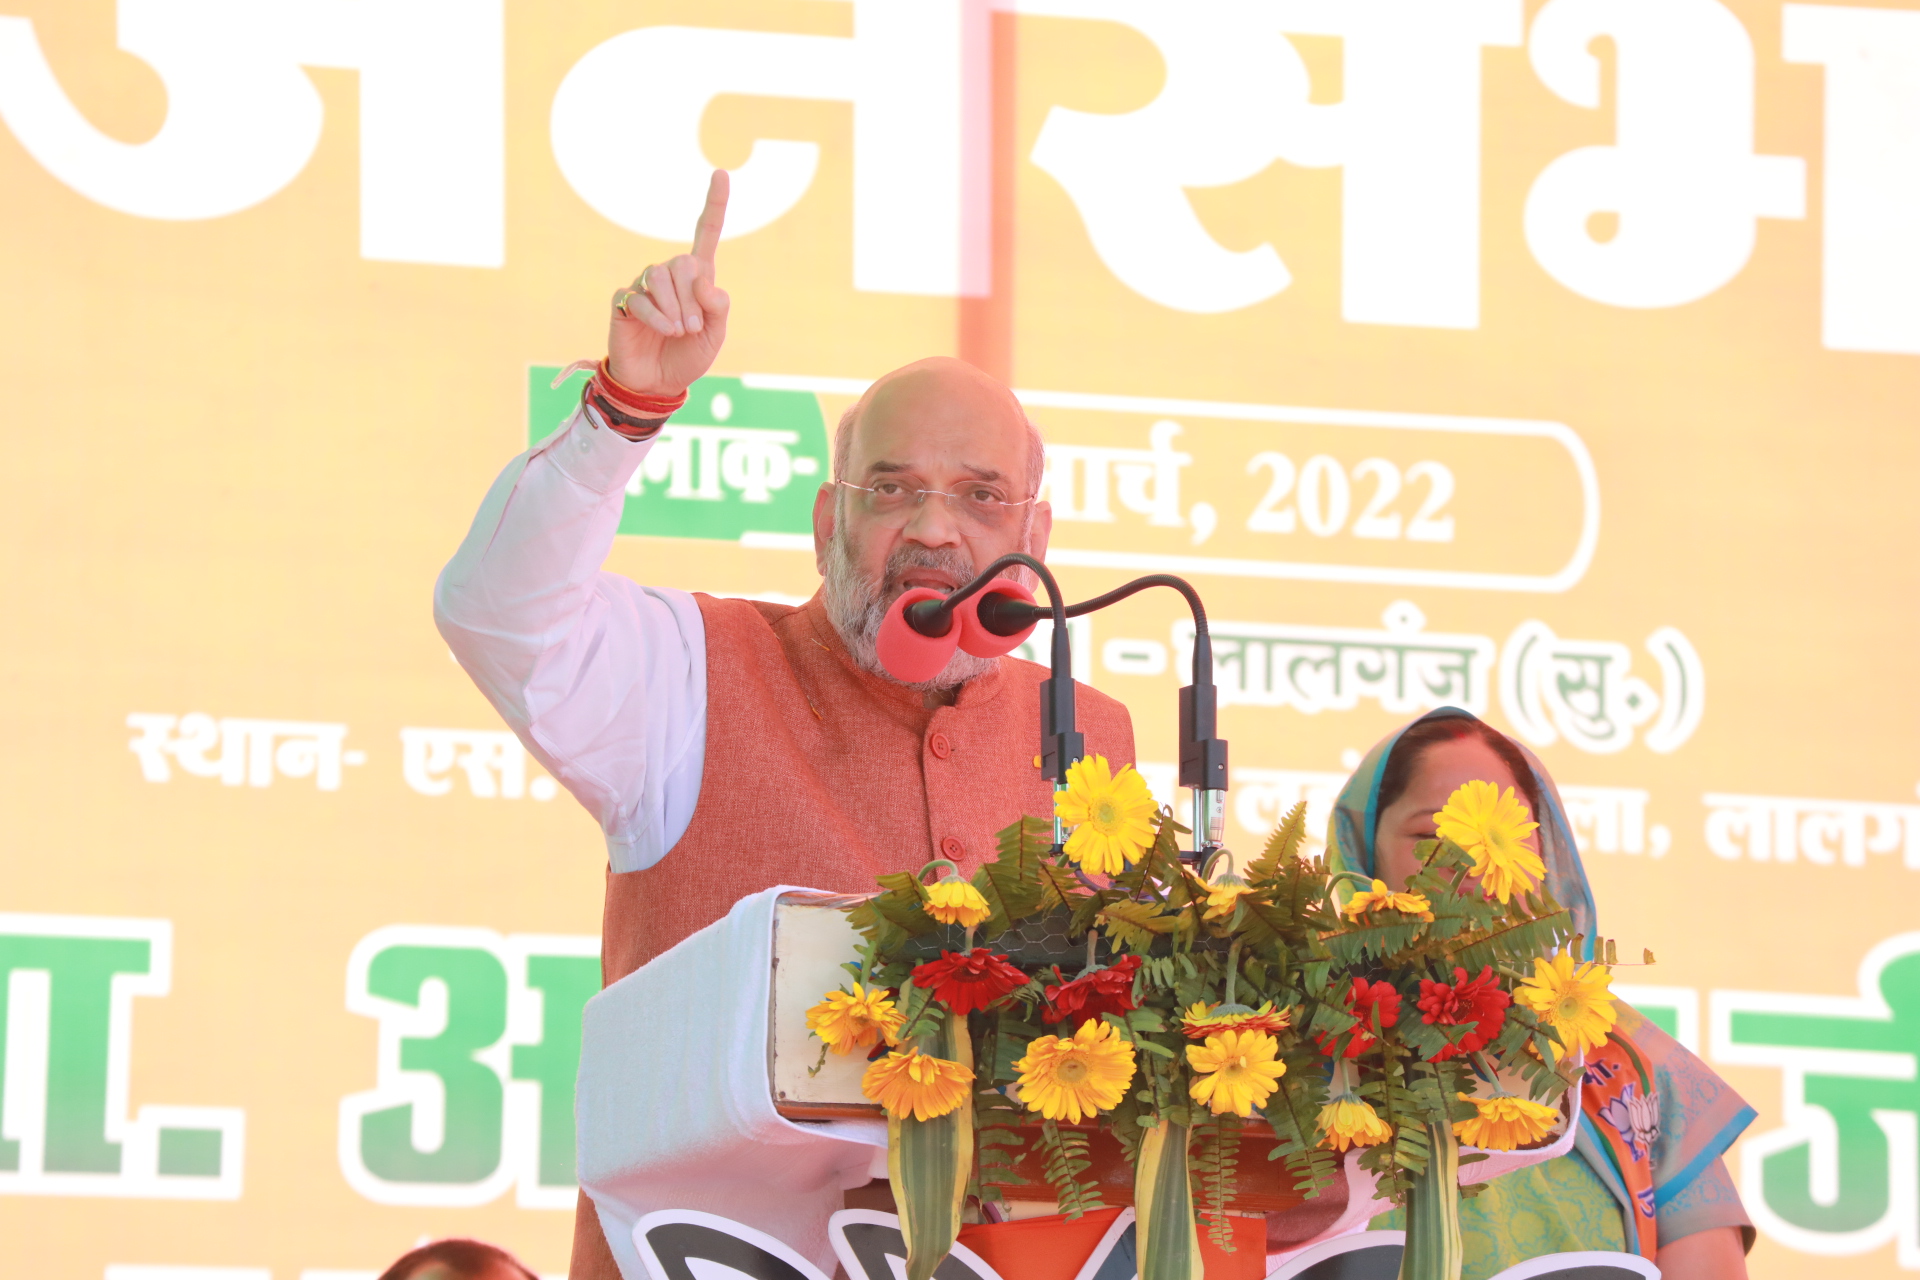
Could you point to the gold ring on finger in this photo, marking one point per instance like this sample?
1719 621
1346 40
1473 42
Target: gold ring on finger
620 304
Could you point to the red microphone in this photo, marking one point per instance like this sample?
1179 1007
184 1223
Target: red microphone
997 619
908 653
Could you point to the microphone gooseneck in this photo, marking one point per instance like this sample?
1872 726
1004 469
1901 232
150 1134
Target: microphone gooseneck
1061 744
1203 753
1000 613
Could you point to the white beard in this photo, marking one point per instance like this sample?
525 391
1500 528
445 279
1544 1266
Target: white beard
856 604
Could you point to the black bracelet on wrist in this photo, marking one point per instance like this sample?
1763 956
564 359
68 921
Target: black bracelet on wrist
601 413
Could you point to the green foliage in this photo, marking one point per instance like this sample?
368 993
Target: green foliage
1287 945
903 902
1293 1112
1134 925
1063 1153
1406 1153
1011 884
1283 847
1086 909
1127 1122
1515 941
880 932
1214 1165
921 1014
1059 888
1288 912
1385 933
1161 862
999 1146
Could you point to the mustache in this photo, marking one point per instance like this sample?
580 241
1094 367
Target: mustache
857 602
908 557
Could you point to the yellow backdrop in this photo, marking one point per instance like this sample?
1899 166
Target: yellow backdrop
1554 359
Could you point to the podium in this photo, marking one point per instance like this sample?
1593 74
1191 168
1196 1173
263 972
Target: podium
696 1093
675 1106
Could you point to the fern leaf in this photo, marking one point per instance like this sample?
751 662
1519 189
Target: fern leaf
1064 1157
1136 924
902 903
1293 1112
1214 1172
876 928
1011 883
1160 864
1283 846
1059 887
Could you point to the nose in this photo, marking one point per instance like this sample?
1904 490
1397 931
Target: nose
934 524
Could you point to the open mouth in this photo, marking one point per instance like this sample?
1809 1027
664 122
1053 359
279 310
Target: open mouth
939 579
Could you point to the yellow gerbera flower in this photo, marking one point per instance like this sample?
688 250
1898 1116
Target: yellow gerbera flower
1348 1121
1413 904
1111 815
1490 827
1505 1123
1572 999
957 902
1224 897
911 1083
1239 1070
855 1021
1068 1077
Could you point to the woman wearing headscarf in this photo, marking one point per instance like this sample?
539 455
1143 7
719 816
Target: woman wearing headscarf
1646 1174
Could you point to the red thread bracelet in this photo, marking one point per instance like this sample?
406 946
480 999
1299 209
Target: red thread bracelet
623 410
633 402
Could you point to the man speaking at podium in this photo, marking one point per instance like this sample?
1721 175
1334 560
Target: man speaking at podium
727 746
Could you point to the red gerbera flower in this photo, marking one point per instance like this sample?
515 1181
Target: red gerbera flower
965 982
1479 1001
1108 990
1363 1001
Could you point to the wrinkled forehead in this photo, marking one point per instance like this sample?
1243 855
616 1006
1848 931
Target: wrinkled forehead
940 420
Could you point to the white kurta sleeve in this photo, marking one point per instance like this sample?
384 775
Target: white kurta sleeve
604 680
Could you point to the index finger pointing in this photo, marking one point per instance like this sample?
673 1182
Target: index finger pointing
706 232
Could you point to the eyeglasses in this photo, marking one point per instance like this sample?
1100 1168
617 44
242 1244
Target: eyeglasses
973 502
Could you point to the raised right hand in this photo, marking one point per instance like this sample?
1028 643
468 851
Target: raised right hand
669 324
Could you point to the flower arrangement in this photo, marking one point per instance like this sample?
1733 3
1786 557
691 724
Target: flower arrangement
1340 1018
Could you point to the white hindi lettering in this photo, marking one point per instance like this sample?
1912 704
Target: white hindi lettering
1317 669
492 761
1681 177
243 118
695 462
1237 97
1232 82
1081 481
1583 690
920 103
1681 174
1614 820
1870 199
249 752
1406 136
1823 832
1325 498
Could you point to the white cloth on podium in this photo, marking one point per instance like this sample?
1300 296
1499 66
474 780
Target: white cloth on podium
674 1108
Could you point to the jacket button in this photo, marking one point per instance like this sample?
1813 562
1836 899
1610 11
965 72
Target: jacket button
952 848
939 745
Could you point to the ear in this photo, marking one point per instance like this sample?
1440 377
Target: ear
822 525
1040 531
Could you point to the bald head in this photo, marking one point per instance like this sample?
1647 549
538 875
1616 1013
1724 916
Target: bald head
947 406
945 470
